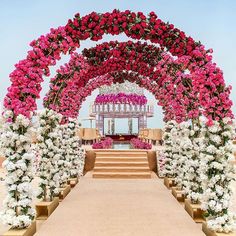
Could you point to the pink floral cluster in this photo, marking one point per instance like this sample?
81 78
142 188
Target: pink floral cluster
121 98
28 75
137 143
106 143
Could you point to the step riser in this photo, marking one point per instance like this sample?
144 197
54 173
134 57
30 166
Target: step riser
117 159
121 165
97 176
121 170
121 152
120 155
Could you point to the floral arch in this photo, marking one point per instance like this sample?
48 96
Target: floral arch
194 77
154 66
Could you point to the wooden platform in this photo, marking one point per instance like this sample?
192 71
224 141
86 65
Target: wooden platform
194 210
178 194
209 232
30 231
121 164
45 209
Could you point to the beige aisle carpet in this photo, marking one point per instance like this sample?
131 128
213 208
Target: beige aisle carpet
97 207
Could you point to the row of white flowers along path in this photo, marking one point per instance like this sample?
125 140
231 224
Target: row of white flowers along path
61 158
199 161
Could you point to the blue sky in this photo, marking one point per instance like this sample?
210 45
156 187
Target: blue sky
212 22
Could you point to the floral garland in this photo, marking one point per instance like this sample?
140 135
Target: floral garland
49 143
137 143
103 144
133 99
15 144
218 173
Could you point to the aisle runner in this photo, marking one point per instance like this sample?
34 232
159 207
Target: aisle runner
105 207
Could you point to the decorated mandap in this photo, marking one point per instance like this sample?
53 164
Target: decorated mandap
121 100
176 69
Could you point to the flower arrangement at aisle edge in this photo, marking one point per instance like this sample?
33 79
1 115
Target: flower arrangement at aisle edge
15 143
193 182
77 169
218 174
75 153
64 163
49 143
160 163
170 162
133 99
183 146
103 144
137 143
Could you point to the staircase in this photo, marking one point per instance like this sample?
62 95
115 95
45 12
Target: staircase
121 164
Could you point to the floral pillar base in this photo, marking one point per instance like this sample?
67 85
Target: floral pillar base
45 209
73 181
63 192
30 231
178 194
169 182
194 210
209 232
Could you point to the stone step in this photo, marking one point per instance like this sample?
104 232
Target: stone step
121 169
127 175
121 154
121 164
121 159
123 151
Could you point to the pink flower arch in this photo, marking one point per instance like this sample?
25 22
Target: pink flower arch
156 66
204 79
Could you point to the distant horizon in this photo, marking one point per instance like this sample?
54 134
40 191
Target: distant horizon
211 22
